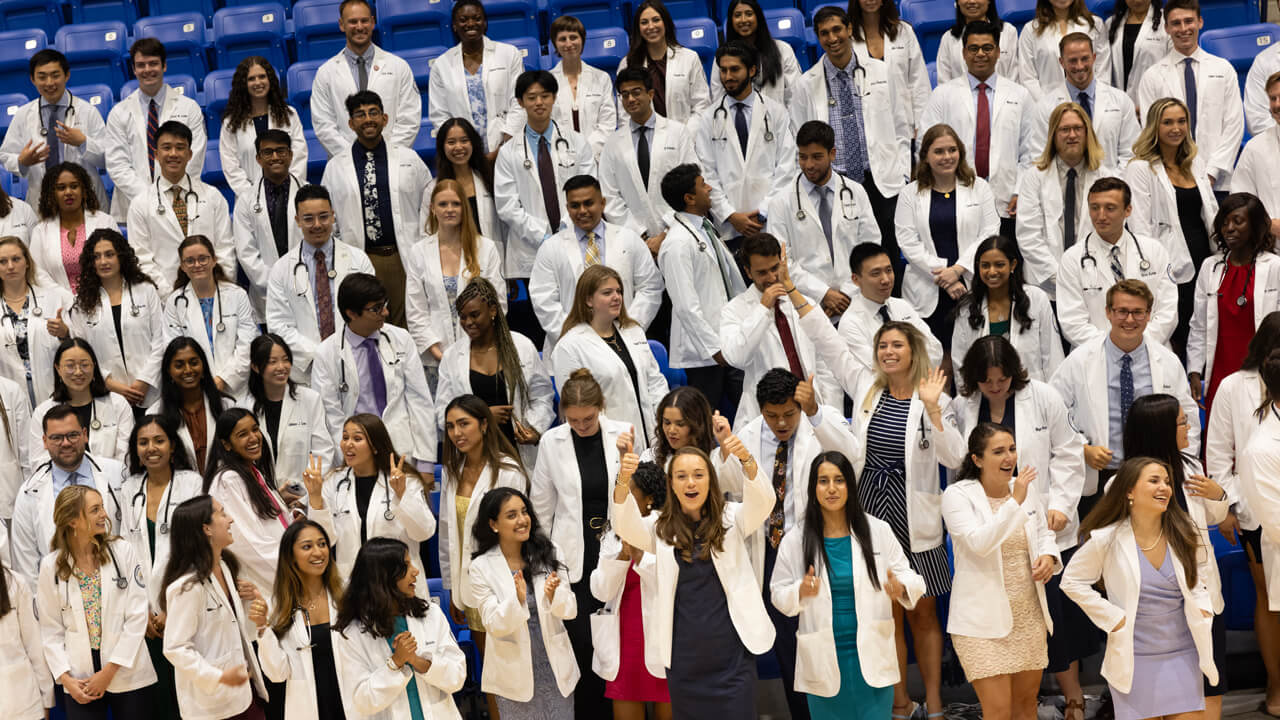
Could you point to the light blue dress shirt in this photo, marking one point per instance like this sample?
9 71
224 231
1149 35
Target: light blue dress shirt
1141 367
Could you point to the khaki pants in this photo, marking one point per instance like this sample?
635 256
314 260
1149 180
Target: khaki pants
390 272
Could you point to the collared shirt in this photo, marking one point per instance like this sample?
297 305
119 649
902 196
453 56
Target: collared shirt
1091 91
748 106
351 63
1141 368
365 402
146 99
991 91
62 478
1062 167
814 191
276 199
165 187
1121 244
769 449
381 160
309 259
582 239
839 110
532 136
650 125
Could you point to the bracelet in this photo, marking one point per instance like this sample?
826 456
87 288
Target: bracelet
391 664
790 290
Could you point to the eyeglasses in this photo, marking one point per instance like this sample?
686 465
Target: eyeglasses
70 437
283 151
633 93
984 49
371 113
197 261
377 308
1135 314
322 218
85 367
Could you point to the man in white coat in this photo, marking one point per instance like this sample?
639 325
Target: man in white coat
820 217
377 189
264 229
1112 112
1257 108
745 145
302 309
134 122
1206 83
561 260
66 440
361 66
1107 255
873 306
1128 365
53 128
368 366
177 204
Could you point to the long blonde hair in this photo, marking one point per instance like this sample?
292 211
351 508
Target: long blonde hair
588 283
1093 152
468 232
1147 146
919 359
67 508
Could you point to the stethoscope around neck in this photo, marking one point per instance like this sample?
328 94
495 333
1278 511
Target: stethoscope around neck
1243 298
187 196
720 117
162 527
387 513
66 120
257 199
1144 265
859 88
121 581
343 387
186 305
557 144
846 197
301 290
35 310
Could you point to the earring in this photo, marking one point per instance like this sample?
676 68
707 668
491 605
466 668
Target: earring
1130 502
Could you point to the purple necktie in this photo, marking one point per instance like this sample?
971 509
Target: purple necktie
375 374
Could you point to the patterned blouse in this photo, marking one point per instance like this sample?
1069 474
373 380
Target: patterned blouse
91 596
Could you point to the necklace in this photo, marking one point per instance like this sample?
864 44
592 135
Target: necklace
1152 545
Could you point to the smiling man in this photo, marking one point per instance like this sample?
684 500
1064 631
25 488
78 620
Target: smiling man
263 222
872 306
1110 110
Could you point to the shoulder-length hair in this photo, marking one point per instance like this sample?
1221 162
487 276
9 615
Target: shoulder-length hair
637 55
288 592
222 457
992 16
1045 18
259 356
696 413
1093 152
239 111
89 289
1151 430
815 550
979 438
189 548
1261 239
372 601
26 255
171 394
989 352
1265 339
924 174
479 288
538 552
97 385
68 507
480 168
769 58
888 19
219 275
1121 11
675 528
48 205
919 358
1147 146
589 282
497 449
468 233
979 292
178 459
381 445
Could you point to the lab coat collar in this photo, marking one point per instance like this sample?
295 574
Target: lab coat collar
164 184
651 123
974 82
61 478
159 97
870 307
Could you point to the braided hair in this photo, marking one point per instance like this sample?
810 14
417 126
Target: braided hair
508 359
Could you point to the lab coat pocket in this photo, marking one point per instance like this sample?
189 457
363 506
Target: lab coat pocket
563 662
815 656
606 643
880 661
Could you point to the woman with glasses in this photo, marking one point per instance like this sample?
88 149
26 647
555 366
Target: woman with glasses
78 382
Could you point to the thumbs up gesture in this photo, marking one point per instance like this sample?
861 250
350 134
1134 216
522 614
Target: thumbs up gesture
57 327
809 585
805 398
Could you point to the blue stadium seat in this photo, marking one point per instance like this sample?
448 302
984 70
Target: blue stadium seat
315 29
787 24
211 172
298 81
1220 14
1018 12
933 74
185 38
31 15
1101 8
688 9
83 11
605 48
16 47
675 376
594 14
812 6
9 104
408 24
722 8
699 35
185 84
420 63
930 19
96 51
170 7
99 96
512 19
425 145
1237 584
530 48
259 29
317 157
1239 45
217 89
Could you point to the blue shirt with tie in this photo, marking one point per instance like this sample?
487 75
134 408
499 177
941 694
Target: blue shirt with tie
1140 365
582 239
62 478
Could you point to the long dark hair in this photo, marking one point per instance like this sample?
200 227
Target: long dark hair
178 459
978 439
171 394
888 19
259 356
87 292
371 600
979 291
498 450
988 352
1121 11
1259 223
1270 372
288 593
853 513
993 17
768 57
538 553
508 356
97 386
222 457
1265 339
479 166
239 111
48 204
189 549
638 54
695 410
1151 429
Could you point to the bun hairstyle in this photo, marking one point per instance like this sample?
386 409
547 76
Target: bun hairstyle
581 390
649 477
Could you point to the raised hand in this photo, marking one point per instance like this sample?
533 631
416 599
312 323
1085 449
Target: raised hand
1203 486
518 578
931 388
805 397
258 610
1022 482
771 295
395 475
57 327
627 441
312 478
720 427
246 590
549 588
627 468
809 585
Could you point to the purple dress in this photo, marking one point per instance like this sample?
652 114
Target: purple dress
1166 667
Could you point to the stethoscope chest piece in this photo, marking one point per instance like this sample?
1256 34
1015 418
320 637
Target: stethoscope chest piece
332 274
801 214
1144 265
37 311
96 424
768 136
388 515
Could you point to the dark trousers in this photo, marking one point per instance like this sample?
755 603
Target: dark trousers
520 315
784 642
884 209
588 697
273 708
721 384
132 704
1008 228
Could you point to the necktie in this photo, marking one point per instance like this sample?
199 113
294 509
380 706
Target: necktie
372 223
376 378
824 214
276 196
778 517
1069 207
180 208
714 239
1189 78
740 124
73 479
788 342
593 250
1116 268
153 125
642 154
1083 100
1126 387
547 176
363 72
55 145
982 141
852 131
883 312
324 297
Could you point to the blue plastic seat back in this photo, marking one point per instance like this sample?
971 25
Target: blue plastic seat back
530 49
83 11
511 19
701 36
408 24
16 48
1220 14
259 29
169 7
96 51
930 19
689 9
594 14
605 48
31 15
317 157
185 38
315 29
100 96
217 90
675 376
420 63
9 104
1018 12
298 80
787 24
184 84
1240 45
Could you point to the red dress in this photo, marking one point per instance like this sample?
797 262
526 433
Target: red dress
1235 325
634 683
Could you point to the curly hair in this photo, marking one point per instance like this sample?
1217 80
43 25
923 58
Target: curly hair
88 291
239 111
48 205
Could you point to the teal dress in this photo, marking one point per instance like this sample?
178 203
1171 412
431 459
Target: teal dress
415 702
856 700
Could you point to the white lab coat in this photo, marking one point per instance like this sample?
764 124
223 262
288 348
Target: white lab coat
1111 555
1012 110
1219 109
627 200
291 305
861 322
155 234
19 221
560 262
43 304
373 691
1155 210
1084 276
1114 120
1258 471
23 669
455 542
582 347
686 83
289 660
411 519
409 414
407 176
228 353
950 62
1253 175
25 127
1257 109
257 545
46 246
888 134
908 75
815 267
1232 424
123 621
207 631
15 466
694 267
184 433
508 651
556 488
976 220
518 192
1082 381
142 353
389 76
427 306
239 158
501 66
1040 219
125 147
1047 442
787 90
608 583
1038 52
110 440
1151 45
1205 512
183 485
303 432
817 664
596 104
1202 342
1039 345
256 244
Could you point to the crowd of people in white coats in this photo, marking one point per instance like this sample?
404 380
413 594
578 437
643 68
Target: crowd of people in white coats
1054 275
